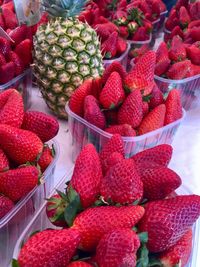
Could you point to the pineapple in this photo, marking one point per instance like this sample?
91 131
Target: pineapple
66 52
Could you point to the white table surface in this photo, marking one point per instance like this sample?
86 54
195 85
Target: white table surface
186 145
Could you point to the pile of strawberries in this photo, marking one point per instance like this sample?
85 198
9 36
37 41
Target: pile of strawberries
117 212
129 104
177 60
24 156
184 20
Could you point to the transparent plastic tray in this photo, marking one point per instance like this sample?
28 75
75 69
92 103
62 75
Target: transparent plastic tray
41 222
13 224
123 59
23 83
163 16
82 133
137 44
189 88
156 25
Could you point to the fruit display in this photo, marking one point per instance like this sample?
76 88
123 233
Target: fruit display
116 211
66 52
24 156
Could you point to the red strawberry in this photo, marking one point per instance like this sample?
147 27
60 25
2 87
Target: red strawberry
159 182
145 108
92 112
7 72
10 18
4 97
180 252
166 221
153 121
173 107
195 33
2 59
115 66
12 112
140 35
193 53
172 20
5 205
20 145
76 103
122 129
46 158
4 162
131 110
162 59
112 95
118 248
179 70
156 97
24 51
138 52
59 246
194 9
79 264
113 159
177 51
122 184
184 17
115 144
121 46
96 87
123 31
93 223
5 47
103 31
19 34
2 23
87 175
19 65
195 23
43 125
15 184
109 46
55 210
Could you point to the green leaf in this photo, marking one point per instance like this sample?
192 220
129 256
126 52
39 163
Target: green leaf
15 263
71 210
63 195
72 194
143 237
154 262
143 257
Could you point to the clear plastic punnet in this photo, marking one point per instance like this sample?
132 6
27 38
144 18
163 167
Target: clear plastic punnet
13 224
41 222
123 59
82 133
23 83
189 88
163 16
137 44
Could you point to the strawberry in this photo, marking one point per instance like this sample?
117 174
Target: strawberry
138 52
140 35
2 23
76 102
131 110
179 253
121 46
87 175
194 9
179 70
113 159
18 34
160 155
195 33
123 31
195 23
4 162
20 145
46 158
50 248
5 47
96 87
122 184
55 210
156 97
115 66
2 59
122 129
7 72
109 46
24 51
10 18
79 264
93 223
15 184
145 108
115 144
19 65
5 205
112 94
162 59
193 53
118 248
12 112
4 97
166 221
172 20
103 30
177 51
43 125
159 182
92 112
153 120
173 106
184 17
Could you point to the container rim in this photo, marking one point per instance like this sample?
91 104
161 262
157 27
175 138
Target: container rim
109 61
155 21
158 78
20 203
125 139
141 42
17 78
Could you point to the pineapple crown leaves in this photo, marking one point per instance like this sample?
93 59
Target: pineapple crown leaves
64 8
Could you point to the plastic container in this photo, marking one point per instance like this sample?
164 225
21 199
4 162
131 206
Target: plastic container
137 44
189 87
13 224
41 222
23 83
123 59
163 16
156 25
83 133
